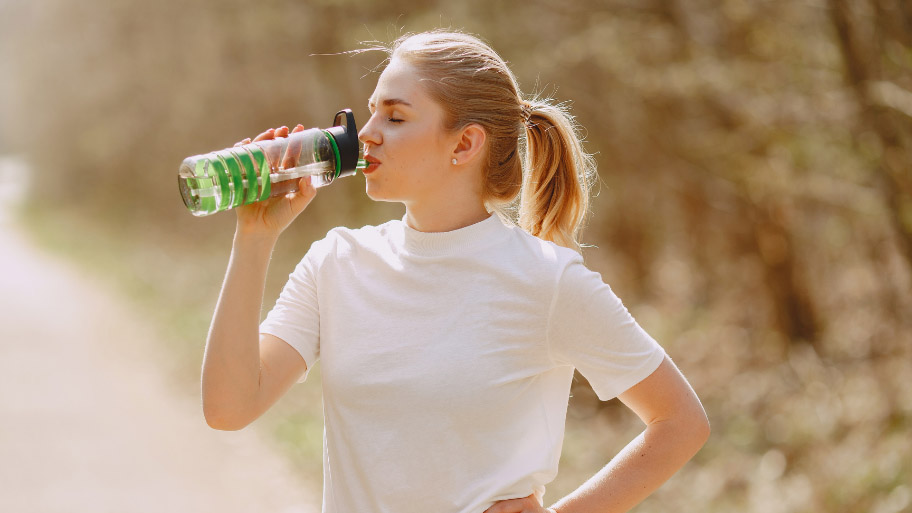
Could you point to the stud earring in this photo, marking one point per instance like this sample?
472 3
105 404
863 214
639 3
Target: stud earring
455 162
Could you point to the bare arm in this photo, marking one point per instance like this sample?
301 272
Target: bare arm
244 373
676 428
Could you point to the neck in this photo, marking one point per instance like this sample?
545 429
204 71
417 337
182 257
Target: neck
444 216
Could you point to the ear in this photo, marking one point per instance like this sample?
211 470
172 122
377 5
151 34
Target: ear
470 142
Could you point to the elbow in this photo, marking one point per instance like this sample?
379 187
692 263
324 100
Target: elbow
220 424
702 430
223 419
224 410
699 429
697 424
692 430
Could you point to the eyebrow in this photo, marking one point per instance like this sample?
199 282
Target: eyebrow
389 102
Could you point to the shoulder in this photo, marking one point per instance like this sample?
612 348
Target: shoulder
533 260
533 250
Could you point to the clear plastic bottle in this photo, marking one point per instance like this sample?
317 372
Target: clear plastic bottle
228 178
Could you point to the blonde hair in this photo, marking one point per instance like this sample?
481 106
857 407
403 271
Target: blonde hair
474 85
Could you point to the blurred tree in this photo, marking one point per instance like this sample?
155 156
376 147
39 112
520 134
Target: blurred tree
754 206
874 37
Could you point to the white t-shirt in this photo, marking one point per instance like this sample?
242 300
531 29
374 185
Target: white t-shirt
447 360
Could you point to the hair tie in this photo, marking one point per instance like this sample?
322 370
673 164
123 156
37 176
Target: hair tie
526 108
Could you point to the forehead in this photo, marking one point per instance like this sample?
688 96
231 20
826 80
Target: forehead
399 82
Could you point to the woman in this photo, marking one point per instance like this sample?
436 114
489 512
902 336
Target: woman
449 338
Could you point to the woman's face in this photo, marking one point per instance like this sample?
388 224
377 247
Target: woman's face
405 135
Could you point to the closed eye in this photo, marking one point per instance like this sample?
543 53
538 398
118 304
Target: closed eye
394 120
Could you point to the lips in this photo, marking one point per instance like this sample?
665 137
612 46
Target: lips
373 164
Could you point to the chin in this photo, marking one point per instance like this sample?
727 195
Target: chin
377 193
379 189
372 192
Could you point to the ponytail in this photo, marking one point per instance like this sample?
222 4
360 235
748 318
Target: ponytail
554 199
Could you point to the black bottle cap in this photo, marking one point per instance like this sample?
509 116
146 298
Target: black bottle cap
345 133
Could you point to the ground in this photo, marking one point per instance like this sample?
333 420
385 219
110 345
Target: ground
89 420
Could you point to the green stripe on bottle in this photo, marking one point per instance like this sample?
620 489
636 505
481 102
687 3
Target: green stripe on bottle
250 172
234 173
206 203
259 159
221 178
335 148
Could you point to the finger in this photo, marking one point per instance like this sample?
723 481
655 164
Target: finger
268 134
271 152
298 128
241 143
292 151
274 154
303 196
508 506
519 505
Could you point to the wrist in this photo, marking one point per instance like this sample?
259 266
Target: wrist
243 233
255 240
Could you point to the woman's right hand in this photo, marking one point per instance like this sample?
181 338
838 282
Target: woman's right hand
271 216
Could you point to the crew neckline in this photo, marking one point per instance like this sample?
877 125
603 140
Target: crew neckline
460 239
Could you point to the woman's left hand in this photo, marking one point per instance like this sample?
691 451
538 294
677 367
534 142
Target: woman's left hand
524 505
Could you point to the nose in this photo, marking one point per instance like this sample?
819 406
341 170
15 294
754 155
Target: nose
368 133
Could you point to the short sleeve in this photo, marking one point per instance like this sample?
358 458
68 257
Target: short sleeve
590 329
295 318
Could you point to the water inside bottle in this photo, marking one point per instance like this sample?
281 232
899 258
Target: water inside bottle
315 171
210 184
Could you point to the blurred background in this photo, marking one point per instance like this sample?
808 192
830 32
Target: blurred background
754 207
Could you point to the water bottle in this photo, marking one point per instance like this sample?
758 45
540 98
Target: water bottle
240 175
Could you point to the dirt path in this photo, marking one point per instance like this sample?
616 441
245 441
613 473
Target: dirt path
89 423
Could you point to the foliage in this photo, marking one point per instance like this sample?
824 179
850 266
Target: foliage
755 208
